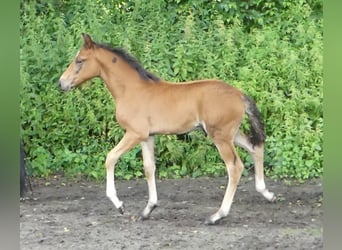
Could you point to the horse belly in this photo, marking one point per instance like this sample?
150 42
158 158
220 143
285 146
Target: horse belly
173 120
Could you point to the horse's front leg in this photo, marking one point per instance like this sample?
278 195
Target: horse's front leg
127 142
149 168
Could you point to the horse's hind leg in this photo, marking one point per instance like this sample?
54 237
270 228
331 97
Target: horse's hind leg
234 169
257 153
126 143
149 167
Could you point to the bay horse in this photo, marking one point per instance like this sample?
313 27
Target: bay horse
147 106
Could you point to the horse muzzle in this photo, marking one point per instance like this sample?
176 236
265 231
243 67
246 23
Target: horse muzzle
65 84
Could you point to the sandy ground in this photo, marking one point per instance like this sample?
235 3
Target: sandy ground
77 215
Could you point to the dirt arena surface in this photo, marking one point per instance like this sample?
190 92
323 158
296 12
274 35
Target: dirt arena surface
77 215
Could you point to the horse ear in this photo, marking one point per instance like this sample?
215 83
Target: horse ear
88 42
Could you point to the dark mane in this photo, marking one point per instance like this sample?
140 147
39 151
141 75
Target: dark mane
132 61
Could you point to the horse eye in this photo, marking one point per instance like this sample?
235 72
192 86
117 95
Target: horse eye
79 61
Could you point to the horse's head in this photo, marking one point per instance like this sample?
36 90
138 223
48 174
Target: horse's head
82 68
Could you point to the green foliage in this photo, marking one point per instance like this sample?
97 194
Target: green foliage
270 49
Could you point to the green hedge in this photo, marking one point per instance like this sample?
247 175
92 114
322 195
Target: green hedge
270 49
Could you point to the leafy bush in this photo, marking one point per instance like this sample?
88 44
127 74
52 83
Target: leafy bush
270 49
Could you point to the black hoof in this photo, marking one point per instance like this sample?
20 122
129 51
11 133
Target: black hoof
121 209
142 217
211 222
153 207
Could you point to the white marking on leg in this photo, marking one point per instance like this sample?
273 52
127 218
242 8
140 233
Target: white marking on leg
126 143
228 196
260 186
234 169
149 167
257 154
152 192
110 188
234 178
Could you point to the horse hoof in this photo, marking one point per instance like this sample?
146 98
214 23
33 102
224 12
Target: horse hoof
209 222
145 214
270 197
121 209
142 218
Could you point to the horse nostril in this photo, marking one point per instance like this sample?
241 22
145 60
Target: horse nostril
61 86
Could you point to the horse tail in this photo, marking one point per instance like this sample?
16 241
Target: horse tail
257 127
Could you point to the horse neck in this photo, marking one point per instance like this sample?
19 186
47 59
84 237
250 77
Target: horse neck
118 76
